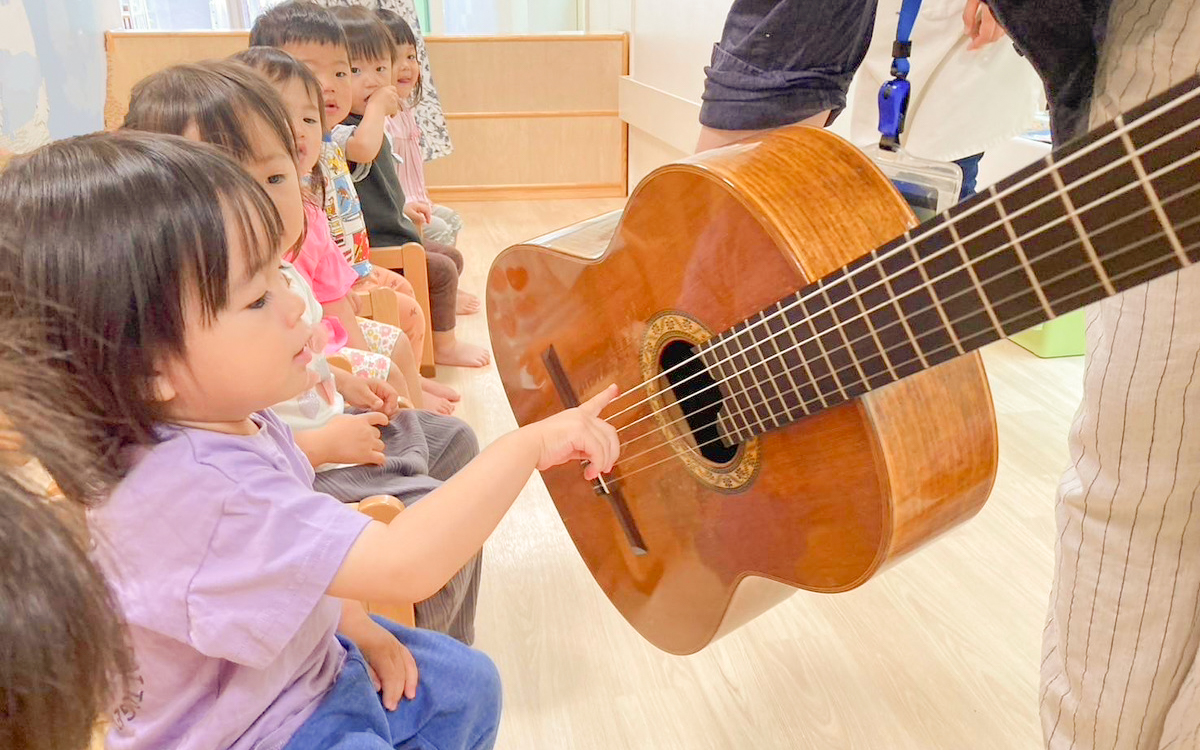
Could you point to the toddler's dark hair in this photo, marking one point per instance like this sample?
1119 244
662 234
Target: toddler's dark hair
402 34
366 35
297 22
64 660
219 99
104 241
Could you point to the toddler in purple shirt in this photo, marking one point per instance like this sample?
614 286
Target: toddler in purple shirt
153 266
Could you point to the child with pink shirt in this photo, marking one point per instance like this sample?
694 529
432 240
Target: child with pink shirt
330 274
442 223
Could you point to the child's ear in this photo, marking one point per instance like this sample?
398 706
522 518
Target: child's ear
162 389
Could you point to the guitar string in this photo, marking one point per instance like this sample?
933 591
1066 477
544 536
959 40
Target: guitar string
928 285
625 475
883 353
820 287
813 402
1051 167
873 332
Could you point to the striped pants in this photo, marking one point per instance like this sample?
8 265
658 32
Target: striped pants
1119 665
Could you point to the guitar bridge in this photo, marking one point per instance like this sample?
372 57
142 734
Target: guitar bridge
603 487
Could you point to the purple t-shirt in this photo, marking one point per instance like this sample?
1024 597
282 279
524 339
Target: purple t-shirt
219 552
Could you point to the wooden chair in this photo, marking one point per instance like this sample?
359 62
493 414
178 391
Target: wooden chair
409 258
384 508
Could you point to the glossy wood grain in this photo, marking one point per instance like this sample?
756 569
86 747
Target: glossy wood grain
838 495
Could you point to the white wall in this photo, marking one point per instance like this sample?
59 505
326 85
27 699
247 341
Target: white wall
670 43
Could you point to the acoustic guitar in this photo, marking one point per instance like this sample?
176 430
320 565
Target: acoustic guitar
802 402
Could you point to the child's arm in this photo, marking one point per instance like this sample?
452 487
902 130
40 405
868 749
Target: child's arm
412 557
390 665
364 144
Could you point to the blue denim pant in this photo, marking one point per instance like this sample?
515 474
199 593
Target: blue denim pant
457 706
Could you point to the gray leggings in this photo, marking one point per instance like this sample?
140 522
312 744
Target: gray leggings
422 451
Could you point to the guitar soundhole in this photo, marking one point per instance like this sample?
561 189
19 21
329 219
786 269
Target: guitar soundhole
699 398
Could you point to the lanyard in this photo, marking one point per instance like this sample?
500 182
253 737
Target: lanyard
893 96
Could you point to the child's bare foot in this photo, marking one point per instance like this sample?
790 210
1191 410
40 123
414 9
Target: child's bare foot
440 390
438 405
448 350
468 304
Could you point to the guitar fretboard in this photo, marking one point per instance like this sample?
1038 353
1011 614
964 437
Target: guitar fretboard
1107 212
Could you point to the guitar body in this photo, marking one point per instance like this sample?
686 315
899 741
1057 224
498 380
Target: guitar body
821 504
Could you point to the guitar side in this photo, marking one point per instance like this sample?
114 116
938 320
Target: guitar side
824 503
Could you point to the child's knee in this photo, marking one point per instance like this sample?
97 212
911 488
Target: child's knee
404 287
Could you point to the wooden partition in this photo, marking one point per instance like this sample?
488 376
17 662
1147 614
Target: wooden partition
530 116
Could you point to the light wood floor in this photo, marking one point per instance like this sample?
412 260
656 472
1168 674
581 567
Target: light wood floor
940 652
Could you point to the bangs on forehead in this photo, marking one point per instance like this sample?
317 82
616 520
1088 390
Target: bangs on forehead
253 222
366 35
224 102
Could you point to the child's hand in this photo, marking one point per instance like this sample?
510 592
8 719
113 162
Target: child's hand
579 433
980 25
372 394
355 439
390 664
389 279
385 100
420 213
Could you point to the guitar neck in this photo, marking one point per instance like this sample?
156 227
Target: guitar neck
1104 213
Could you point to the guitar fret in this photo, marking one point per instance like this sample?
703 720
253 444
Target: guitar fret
750 330
736 395
912 249
801 330
792 347
970 266
774 367
779 357
838 324
817 337
1152 195
887 281
886 324
1079 230
737 374
856 328
1019 249
887 361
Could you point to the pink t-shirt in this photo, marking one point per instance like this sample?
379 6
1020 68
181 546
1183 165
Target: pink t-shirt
321 261
219 553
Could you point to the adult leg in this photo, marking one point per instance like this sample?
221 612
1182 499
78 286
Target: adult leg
1119 667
